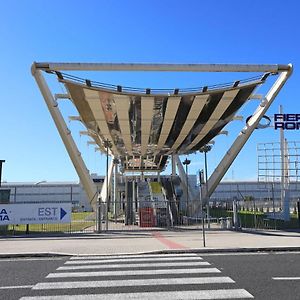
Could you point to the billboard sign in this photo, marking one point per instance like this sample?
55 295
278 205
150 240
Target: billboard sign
35 213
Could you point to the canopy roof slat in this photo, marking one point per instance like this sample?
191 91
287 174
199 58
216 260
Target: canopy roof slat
145 129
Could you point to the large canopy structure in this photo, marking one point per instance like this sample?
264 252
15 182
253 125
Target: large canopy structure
143 127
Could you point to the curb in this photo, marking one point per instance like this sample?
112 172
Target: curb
170 251
38 254
229 250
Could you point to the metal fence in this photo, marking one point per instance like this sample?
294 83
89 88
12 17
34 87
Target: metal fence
150 215
81 222
257 214
163 215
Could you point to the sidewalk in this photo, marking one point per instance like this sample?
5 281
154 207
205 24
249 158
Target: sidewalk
149 241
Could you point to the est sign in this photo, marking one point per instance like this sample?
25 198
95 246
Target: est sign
35 213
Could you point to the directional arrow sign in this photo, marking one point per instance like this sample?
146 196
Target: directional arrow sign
62 213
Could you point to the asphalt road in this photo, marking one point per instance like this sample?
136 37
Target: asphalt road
255 273
184 276
18 275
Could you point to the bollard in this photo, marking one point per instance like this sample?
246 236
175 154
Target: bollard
229 223
222 223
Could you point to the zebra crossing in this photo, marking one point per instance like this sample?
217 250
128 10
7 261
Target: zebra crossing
153 276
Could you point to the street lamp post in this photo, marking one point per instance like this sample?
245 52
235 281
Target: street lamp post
201 204
107 145
116 162
186 162
205 149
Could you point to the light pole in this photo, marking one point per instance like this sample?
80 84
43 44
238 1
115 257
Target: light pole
116 162
201 203
107 145
205 149
186 162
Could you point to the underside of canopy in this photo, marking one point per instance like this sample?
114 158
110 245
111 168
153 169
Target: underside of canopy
143 127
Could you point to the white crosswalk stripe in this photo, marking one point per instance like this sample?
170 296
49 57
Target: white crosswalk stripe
105 261
159 276
134 272
170 295
122 266
130 282
103 257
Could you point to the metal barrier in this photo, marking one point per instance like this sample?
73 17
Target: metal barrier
254 215
149 215
81 222
225 223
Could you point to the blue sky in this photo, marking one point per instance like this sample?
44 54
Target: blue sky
133 31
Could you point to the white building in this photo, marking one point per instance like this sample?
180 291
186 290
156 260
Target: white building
73 192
